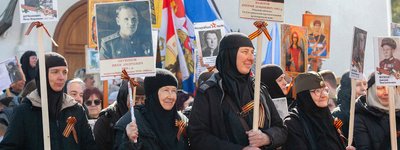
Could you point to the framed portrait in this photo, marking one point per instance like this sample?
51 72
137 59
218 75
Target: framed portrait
92 34
10 72
92 60
319 28
208 35
270 10
294 49
395 29
387 62
124 32
358 53
38 10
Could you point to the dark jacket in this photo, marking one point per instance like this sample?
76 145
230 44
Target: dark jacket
371 127
104 132
147 139
208 129
297 138
342 111
104 127
25 131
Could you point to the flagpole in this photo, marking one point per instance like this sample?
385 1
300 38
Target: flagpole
392 118
352 110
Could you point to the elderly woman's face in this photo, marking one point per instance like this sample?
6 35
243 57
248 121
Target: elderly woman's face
320 96
167 97
382 92
244 59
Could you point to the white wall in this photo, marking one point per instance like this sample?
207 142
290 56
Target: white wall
370 15
14 42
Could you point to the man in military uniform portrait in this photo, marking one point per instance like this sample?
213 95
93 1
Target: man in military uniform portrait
132 40
389 65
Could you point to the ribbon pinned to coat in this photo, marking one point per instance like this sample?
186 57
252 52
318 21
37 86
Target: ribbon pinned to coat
181 128
261 28
39 24
70 128
250 106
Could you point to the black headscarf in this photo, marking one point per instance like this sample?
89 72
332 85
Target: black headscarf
269 74
54 98
161 121
235 84
319 121
29 71
122 98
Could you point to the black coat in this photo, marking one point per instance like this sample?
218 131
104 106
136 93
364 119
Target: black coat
147 139
297 138
104 128
371 127
25 130
208 129
104 132
342 111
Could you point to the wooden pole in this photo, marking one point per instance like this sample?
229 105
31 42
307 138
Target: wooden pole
352 110
43 90
257 84
105 94
392 118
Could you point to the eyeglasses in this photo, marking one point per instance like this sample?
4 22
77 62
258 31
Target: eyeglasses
89 102
320 91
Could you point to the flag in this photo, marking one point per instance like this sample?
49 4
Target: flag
198 11
273 55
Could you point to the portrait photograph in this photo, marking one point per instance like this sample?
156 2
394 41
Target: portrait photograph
318 35
387 60
358 53
13 70
208 35
395 29
124 38
92 60
38 10
293 49
124 29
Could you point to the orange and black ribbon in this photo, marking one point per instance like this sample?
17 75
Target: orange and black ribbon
132 82
181 128
338 125
262 28
70 128
248 107
39 24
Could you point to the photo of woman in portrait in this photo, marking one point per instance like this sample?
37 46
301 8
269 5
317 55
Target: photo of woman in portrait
295 57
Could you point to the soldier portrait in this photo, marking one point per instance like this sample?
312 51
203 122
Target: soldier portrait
124 30
389 64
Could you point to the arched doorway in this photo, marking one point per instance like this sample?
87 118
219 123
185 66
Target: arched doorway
71 36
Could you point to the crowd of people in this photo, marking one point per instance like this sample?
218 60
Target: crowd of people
219 115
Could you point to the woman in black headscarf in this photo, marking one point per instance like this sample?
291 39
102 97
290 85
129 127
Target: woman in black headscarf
222 111
26 129
104 127
273 78
310 124
28 64
158 124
